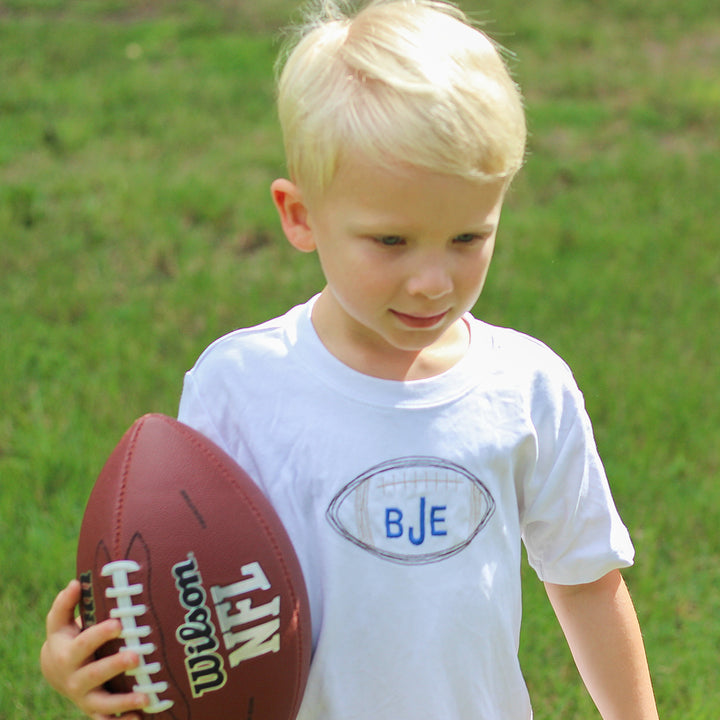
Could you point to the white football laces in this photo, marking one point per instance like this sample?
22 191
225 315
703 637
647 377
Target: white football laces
133 634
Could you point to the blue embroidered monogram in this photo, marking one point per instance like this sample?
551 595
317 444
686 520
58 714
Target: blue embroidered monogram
412 510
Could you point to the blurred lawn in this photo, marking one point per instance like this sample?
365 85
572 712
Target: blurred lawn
137 143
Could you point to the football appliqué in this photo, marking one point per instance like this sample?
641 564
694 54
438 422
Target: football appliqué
412 510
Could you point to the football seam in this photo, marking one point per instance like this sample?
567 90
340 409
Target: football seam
127 461
261 521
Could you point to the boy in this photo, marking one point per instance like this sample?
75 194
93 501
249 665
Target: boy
407 446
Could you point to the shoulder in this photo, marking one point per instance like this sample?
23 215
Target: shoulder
241 372
257 347
521 354
532 373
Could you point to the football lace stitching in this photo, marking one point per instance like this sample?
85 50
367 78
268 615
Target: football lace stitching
133 633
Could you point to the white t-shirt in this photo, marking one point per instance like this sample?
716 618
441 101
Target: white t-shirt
407 503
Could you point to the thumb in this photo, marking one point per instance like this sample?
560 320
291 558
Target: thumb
62 611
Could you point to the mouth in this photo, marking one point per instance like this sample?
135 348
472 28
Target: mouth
420 321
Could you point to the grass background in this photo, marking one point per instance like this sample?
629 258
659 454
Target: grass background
137 143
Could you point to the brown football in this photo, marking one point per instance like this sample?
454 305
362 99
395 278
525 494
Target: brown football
182 546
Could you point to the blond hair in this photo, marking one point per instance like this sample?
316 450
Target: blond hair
400 81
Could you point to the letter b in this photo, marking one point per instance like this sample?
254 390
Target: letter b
393 522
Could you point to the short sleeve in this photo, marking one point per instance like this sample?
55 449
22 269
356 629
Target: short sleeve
193 411
571 528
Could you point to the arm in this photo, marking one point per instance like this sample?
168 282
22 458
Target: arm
66 660
603 633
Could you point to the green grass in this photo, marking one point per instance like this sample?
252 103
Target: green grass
137 143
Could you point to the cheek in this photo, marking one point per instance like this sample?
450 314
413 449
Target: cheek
472 274
363 286
357 273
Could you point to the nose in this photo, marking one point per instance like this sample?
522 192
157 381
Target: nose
430 278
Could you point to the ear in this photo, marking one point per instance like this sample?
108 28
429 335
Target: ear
293 212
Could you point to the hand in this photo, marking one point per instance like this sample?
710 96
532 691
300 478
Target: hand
68 664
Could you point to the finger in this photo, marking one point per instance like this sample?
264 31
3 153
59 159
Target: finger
66 654
91 677
90 640
62 611
68 650
104 704
124 716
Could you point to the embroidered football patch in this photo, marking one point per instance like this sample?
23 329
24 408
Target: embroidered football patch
412 510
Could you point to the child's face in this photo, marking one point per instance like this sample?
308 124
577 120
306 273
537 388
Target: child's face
405 253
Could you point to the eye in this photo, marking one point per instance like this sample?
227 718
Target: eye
465 238
468 238
390 240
